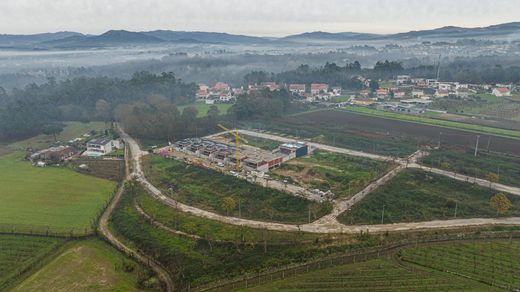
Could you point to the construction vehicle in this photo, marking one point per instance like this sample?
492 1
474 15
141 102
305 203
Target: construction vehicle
237 144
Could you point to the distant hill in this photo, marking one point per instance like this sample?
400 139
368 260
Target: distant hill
21 40
328 36
109 38
493 31
203 37
116 38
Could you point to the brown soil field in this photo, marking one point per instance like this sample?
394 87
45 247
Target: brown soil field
348 122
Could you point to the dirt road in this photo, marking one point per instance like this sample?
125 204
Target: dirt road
327 224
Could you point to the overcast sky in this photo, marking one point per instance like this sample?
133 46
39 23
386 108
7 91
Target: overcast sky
253 17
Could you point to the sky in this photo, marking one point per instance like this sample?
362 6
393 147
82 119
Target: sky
252 17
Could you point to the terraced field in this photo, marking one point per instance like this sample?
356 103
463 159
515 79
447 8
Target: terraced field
373 275
19 253
495 262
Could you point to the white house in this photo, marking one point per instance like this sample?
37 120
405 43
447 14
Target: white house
501 91
100 147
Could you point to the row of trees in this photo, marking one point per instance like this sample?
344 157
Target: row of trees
158 118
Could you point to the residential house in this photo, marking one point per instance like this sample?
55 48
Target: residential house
319 87
501 91
297 88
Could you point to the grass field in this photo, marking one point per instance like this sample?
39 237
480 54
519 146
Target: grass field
343 175
206 189
465 162
202 108
72 130
19 253
436 122
373 275
196 262
415 195
218 231
487 105
89 265
53 198
493 262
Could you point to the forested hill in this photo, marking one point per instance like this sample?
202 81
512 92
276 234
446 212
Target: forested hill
25 112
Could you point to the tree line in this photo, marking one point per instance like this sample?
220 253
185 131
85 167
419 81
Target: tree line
26 112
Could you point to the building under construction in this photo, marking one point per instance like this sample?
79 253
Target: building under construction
251 158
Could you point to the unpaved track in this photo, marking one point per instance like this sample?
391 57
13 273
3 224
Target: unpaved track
104 230
327 224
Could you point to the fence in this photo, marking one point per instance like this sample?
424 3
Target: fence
341 259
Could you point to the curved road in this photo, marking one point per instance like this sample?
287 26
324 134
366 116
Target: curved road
327 224
104 230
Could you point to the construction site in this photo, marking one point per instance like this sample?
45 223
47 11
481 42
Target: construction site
228 152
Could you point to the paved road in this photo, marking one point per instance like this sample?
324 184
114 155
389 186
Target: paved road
323 226
105 232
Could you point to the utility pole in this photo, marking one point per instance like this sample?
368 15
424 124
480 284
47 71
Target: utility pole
456 207
439 144
476 145
383 215
489 142
239 209
309 213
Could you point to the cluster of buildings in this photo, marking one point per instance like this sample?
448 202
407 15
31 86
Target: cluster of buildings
412 95
76 147
223 93
251 158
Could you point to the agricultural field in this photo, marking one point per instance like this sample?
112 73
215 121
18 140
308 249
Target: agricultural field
70 131
415 195
378 274
202 108
435 122
378 134
50 199
507 167
20 254
90 265
486 105
492 262
194 262
206 189
343 175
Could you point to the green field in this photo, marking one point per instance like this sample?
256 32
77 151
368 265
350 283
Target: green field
202 108
196 262
506 166
372 275
493 262
51 198
72 130
20 253
206 189
485 105
435 122
343 175
415 195
218 231
89 265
